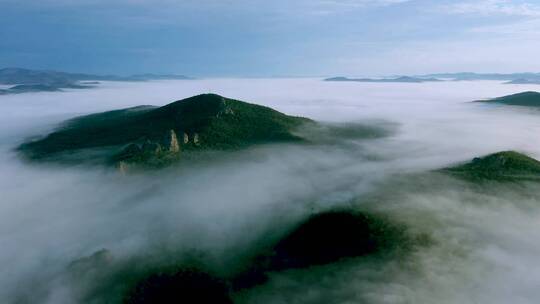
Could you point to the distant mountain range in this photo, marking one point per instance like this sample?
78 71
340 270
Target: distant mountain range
486 76
514 78
25 80
406 79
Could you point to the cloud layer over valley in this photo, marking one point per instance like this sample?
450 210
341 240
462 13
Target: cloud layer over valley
482 246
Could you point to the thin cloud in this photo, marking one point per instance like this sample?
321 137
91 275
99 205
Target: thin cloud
361 3
330 7
494 7
523 29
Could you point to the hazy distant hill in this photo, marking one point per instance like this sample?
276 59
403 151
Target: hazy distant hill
157 77
28 88
523 81
526 99
25 80
406 79
515 78
17 76
158 135
26 76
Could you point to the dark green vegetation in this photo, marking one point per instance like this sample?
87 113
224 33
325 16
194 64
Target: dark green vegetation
183 286
104 278
326 238
501 166
526 99
406 79
159 135
184 277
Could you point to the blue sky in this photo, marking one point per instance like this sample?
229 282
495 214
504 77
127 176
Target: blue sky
271 38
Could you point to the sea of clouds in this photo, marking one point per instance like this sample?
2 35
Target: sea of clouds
485 247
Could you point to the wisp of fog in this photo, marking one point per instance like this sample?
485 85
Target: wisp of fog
483 247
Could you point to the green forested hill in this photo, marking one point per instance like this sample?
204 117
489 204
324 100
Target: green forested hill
200 122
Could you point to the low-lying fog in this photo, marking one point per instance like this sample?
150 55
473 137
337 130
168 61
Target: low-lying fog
485 247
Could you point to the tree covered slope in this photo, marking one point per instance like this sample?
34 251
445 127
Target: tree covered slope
501 166
527 99
144 133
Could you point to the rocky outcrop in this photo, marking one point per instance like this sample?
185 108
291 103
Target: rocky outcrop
122 167
186 138
173 146
143 151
